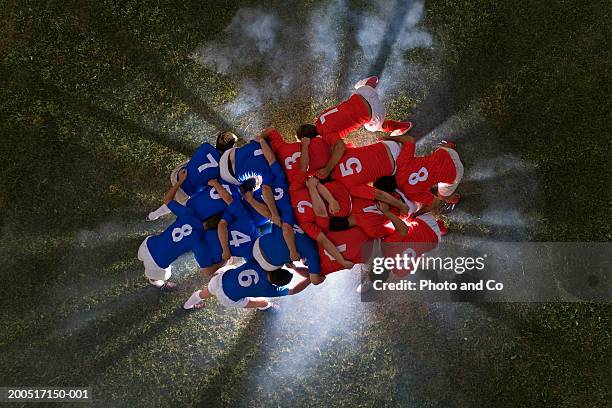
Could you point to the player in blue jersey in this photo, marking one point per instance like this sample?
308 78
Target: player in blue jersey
185 234
281 197
236 230
270 251
246 286
201 167
208 202
241 163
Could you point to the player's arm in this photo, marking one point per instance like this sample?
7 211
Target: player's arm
172 192
267 150
333 251
425 208
289 236
385 197
336 154
268 197
334 207
304 154
399 225
224 240
318 205
260 207
299 287
225 196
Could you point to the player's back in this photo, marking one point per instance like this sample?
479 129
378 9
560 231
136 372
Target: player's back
338 121
249 280
180 237
203 166
208 202
420 173
250 161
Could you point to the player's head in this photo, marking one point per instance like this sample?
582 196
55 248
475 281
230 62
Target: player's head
386 183
306 130
280 277
225 141
212 222
249 185
338 223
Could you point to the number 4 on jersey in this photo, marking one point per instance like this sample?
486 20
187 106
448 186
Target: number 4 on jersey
238 238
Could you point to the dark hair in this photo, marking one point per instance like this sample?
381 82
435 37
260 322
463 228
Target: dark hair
248 185
307 130
338 223
225 141
280 277
386 183
212 222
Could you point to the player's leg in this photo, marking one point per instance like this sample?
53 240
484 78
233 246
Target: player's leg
446 191
196 300
260 304
155 275
180 196
396 127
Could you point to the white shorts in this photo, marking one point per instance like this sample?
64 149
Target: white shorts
180 196
394 148
152 270
224 170
445 189
261 260
215 286
378 109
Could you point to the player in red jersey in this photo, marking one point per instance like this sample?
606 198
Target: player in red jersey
311 214
362 108
371 219
412 237
288 154
354 244
416 175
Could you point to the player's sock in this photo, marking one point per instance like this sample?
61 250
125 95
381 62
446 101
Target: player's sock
193 300
395 127
267 306
161 211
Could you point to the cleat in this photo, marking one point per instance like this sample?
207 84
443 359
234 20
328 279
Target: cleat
169 287
446 208
369 81
364 287
447 143
401 131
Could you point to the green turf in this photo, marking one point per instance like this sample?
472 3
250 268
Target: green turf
97 105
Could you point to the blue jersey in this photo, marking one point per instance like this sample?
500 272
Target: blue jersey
203 166
275 250
250 162
185 234
241 229
250 280
280 188
208 201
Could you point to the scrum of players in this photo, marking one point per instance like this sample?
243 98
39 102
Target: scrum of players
255 215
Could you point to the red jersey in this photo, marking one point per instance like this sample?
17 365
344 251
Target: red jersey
423 236
416 175
370 219
304 214
342 195
353 244
360 165
288 154
340 120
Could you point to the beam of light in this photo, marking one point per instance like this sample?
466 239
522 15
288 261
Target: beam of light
503 164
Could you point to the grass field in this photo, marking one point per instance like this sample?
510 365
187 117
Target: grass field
101 99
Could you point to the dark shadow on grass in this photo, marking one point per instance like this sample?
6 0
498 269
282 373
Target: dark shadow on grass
349 46
224 386
390 37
